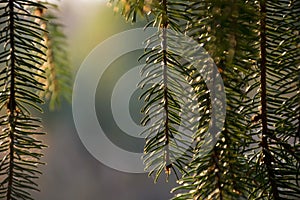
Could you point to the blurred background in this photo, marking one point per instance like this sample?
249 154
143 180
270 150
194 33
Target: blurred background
71 173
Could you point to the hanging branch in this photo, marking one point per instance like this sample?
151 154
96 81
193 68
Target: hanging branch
164 102
277 163
222 173
255 45
20 150
165 86
267 157
57 85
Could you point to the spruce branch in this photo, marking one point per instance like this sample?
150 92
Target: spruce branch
20 150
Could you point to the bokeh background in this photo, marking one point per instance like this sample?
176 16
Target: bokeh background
71 173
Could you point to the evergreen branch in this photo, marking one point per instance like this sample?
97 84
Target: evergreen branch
11 102
164 141
263 70
165 86
260 140
19 149
57 67
231 51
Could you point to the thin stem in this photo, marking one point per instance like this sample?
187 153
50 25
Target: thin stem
265 134
11 106
165 82
218 176
298 132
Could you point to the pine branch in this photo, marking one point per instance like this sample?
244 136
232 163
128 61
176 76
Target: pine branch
267 157
11 102
277 163
164 100
260 140
20 151
165 86
221 29
57 66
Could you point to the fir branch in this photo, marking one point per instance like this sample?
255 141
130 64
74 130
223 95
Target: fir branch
57 66
267 157
163 143
19 148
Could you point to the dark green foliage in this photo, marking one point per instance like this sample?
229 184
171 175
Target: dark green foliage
57 67
221 173
20 149
165 145
276 158
255 46
24 59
